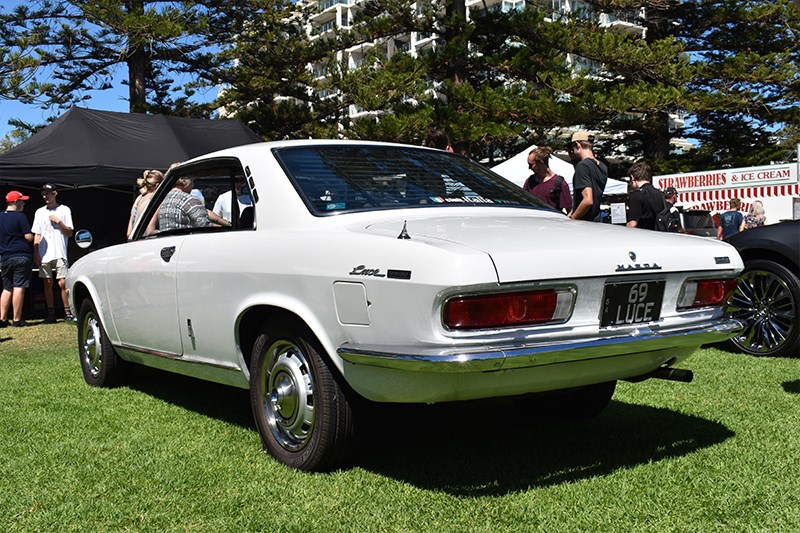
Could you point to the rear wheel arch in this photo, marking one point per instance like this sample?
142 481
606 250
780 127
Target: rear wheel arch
253 320
769 255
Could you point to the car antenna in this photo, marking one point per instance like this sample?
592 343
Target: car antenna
404 234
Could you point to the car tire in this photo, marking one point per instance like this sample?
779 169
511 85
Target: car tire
582 403
101 365
767 301
303 414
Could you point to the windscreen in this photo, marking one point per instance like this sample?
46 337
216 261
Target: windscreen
335 179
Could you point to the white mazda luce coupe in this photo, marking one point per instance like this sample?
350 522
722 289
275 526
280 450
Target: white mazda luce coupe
351 271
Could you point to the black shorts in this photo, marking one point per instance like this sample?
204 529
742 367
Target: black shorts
16 272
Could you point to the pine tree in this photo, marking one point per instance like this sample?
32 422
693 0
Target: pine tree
494 81
716 63
269 85
730 67
53 53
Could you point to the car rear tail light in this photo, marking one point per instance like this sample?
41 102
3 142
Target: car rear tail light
508 309
705 293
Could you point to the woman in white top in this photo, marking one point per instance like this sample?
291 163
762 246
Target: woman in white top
148 184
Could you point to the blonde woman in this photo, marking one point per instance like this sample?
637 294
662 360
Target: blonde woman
755 217
147 184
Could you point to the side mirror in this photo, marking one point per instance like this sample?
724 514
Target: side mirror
83 238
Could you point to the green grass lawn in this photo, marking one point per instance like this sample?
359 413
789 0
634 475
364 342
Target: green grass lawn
169 453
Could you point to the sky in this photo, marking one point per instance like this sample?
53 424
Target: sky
114 99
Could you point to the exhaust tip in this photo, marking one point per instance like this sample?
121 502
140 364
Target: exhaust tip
665 372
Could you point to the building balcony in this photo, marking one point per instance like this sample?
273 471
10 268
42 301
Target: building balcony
327 4
480 3
623 23
324 16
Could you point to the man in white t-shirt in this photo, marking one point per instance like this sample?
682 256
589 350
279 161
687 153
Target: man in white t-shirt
222 206
52 227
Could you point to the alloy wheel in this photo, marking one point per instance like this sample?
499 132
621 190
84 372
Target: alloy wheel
765 304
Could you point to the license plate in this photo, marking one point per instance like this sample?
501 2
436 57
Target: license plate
632 303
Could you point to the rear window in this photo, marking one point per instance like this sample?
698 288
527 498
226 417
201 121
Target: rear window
335 179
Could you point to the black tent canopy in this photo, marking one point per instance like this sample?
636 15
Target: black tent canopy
85 147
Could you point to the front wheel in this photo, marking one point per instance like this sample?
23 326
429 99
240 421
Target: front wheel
101 365
302 413
767 301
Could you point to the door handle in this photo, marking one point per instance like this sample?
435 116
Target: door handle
166 253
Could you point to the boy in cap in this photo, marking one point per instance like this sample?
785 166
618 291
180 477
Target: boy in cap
52 226
589 180
671 197
17 261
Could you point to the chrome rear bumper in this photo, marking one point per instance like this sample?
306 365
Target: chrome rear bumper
483 358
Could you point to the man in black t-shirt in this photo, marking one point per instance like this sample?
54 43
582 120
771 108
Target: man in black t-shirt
589 180
645 201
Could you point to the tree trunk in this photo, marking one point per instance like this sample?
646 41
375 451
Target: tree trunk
136 74
457 8
137 66
656 139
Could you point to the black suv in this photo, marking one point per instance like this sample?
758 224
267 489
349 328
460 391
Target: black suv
767 298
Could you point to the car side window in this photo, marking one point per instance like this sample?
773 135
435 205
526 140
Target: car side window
204 199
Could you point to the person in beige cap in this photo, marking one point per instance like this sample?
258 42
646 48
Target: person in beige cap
589 179
17 260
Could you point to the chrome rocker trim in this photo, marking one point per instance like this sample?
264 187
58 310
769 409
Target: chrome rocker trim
455 359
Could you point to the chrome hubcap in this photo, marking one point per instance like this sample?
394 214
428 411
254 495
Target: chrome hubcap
764 303
288 395
92 348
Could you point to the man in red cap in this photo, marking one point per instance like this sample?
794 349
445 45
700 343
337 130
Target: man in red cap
16 258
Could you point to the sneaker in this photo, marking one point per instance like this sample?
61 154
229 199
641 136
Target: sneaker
49 319
70 318
19 323
4 323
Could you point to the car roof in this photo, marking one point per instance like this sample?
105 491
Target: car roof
293 143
